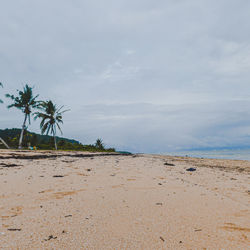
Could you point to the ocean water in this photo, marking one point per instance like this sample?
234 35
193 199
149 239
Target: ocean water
233 154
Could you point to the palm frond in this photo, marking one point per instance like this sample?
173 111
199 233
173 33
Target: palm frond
24 100
51 117
64 111
59 128
10 96
44 127
10 106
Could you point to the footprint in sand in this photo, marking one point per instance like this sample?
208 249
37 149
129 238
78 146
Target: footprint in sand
60 195
242 213
45 191
117 186
15 211
81 174
232 227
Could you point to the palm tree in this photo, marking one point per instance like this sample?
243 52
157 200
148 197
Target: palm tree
25 101
99 144
51 117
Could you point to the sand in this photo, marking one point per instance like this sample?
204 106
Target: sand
64 200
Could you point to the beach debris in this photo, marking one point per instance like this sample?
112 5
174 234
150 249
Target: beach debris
169 164
233 179
198 230
159 204
70 215
41 176
159 183
162 238
63 231
58 176
88 169
51 237
68 161
180 241
9 165
14 229
191 169
112 175
55 156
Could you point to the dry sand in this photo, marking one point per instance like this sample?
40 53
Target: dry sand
122 202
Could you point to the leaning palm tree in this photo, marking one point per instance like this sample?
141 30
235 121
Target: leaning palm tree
25 101
51 117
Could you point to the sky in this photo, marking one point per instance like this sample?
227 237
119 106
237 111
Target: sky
143 75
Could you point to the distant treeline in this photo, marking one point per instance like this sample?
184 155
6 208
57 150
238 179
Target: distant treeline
11 137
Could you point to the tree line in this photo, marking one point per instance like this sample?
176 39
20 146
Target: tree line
49 113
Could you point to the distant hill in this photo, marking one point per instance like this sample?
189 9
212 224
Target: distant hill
10 134
11 137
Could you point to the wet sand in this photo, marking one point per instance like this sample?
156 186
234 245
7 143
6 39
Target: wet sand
68 200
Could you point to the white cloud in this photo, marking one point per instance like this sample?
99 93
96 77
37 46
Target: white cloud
187 59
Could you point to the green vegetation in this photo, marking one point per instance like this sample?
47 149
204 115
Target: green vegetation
25 101
51 118
46 142
99 144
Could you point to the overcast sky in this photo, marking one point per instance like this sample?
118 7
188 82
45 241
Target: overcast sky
144 75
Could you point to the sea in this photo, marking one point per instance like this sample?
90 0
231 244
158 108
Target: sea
233 154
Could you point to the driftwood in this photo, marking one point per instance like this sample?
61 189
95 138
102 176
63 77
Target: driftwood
4 143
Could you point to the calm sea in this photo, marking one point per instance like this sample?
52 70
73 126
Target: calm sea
234 154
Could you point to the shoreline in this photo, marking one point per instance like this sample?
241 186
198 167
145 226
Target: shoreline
103 153
122 201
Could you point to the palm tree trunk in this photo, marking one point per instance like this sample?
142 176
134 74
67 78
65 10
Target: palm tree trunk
21 136
5 144
55 142
54 134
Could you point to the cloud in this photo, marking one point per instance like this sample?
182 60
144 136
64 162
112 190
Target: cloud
153 65
160 128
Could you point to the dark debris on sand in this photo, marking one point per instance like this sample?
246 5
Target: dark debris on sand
191 169
169 164
51 237
9 165
14 229
54 156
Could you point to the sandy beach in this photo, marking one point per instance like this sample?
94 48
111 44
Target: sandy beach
75 200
